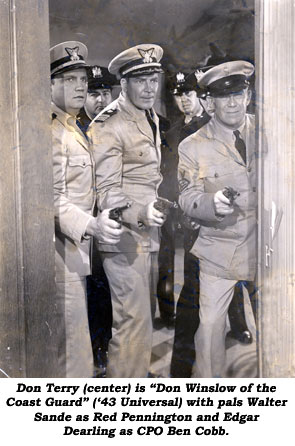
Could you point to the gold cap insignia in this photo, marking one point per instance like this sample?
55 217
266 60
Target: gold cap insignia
73 53
147 55
198 74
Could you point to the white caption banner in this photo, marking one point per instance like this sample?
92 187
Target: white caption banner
228 411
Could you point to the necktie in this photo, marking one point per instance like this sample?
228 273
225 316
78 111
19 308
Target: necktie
82 128
152 124
240 146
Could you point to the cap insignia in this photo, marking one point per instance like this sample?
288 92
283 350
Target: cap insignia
147 55
198 75
96 72
73 53
180 78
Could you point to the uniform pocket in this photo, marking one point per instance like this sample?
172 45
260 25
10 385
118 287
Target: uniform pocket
79 177
79 161
217 176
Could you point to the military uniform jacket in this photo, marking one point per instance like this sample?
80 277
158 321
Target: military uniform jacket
209 161
74 196
128 157
178 132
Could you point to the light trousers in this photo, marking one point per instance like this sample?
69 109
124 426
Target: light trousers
132 278
77 355
215 297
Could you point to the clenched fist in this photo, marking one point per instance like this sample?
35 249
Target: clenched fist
222 204
150 216
104 229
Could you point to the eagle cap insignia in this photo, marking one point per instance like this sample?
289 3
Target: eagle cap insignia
96 72
73 53
198 74
146 55
180 77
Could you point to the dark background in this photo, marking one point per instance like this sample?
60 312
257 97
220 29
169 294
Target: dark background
184 28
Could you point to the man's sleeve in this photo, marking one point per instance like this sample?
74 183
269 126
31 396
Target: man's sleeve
69 218
193 199
108 152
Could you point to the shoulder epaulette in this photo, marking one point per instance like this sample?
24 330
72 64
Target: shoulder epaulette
106 115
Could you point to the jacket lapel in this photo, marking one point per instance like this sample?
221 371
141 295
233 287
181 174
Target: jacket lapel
69 122
137 116
144 126
224 137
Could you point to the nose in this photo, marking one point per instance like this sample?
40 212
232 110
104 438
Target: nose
81 85
148 86
232 101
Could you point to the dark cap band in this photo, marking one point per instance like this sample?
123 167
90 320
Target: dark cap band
228 85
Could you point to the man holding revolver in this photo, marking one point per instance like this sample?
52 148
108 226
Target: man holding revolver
218 156
127 152
74 199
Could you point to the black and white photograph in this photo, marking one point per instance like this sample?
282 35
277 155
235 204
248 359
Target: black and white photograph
147 189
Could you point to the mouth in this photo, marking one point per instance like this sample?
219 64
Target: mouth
79 97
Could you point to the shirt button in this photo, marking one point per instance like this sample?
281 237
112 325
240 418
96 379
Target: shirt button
84 164
249 169
140 153
216 175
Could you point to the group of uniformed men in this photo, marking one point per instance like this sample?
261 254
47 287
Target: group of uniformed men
107 156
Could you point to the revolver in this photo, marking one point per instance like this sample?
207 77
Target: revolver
164 205
230 193
116 213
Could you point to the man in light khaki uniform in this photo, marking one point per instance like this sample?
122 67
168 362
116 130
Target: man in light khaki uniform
74 199
127 153
220 154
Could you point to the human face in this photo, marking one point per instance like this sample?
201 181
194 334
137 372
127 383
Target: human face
188 103
231 110
97 100
69 90
141 90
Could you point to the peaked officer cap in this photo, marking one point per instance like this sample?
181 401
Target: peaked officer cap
138 60
181 82
226 78
99 77
67 56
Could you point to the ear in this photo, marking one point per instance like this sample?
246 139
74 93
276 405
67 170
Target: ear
209 105
249 95
123 83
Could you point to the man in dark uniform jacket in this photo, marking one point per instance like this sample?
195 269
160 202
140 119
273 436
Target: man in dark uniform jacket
99 95
187 95
183 86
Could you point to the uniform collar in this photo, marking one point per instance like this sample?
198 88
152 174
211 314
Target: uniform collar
216 131
65 118
222 131
69 122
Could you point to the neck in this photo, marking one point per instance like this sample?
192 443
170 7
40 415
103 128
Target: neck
90 115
